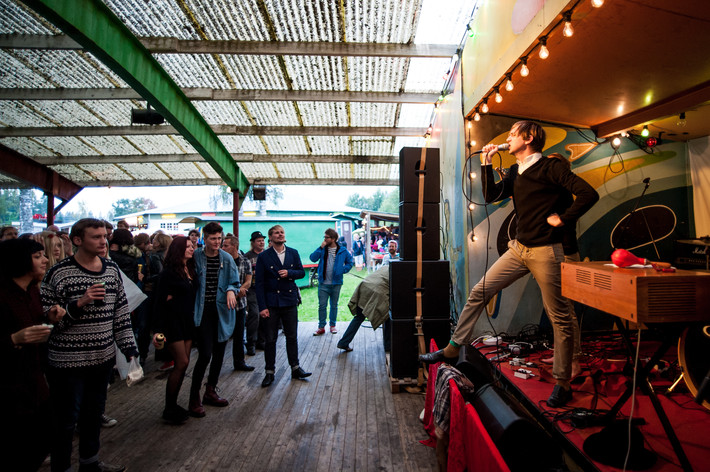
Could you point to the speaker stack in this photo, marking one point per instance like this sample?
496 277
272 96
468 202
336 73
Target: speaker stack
434 285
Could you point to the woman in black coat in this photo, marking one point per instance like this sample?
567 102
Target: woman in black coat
174 304
23 335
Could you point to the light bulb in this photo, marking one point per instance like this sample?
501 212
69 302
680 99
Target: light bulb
484 107
568 31
597 3
499 97
472 143
616 142
469 125
472 176
509 84
645 132
477 117
524 71
474 238
471 206
681 120
429 130
544 52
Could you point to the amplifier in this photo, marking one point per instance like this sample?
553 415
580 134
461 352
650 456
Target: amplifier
692 254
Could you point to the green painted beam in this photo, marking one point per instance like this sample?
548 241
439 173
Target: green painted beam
94 26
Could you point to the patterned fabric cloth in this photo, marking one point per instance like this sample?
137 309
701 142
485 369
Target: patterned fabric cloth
85 336
442 401
211 282
244 269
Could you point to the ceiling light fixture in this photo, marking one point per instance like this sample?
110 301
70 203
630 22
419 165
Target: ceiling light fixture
498 96
645 132
544 52
524 71
146 117
484 107
616 142
509 82
477 116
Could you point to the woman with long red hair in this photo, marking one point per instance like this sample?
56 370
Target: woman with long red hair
174 303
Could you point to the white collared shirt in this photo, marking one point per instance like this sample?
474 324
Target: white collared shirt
281 255
528 162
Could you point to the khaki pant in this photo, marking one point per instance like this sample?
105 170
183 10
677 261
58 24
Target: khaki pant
544 264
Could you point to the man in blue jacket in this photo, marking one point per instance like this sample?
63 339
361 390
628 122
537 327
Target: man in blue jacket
215 315
277 268
333 260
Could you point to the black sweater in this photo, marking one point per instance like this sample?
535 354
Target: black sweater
539 192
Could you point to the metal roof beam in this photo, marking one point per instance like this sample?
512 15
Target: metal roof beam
245 157
225 130
200 93
194 182
98 30
301 181
277 48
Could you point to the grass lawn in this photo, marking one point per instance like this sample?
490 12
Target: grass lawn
308 310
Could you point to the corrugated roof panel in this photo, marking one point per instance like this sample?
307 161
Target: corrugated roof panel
443 22
15 113
15 73
324 113
394 172
153 19
333 171
208 170
304 21
196 70
316 72
72 172
243 144
27 147
105 172
381 22
415 115
229 19
376 74
181 170
258 170
372 146
329 144
161 144
273 113
110 145
223 113
15 17
426 74
286 144
254 72
144 171
373 114
69 69
7 180
372 171
295 171
66 145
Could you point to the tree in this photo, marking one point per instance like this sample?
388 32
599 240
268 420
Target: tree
390 204
376 201
9 206
125 206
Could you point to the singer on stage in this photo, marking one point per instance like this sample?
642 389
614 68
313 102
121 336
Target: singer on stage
540 189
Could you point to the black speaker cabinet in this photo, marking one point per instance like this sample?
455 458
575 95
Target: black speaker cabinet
404 349
409 163
408 232
475 366
435 289
522 443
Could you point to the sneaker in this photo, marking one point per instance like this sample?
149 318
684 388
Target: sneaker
167 365
107 421
319 332
345 348
559 397
333 330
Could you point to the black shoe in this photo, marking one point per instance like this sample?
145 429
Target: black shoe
268 380
243 366
251 351
260 346
101 467
559 397
175 415
437 356
300 374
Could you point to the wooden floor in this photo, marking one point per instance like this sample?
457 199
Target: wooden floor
343 418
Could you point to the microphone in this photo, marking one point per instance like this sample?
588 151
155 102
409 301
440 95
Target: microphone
501 147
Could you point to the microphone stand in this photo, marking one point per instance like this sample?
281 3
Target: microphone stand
646 181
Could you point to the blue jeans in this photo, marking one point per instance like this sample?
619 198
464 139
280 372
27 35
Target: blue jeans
352 329
325 293
78 395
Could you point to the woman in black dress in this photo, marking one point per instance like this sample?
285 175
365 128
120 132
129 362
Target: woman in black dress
175 301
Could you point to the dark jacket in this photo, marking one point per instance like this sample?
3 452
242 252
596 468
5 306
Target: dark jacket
272 290
342 265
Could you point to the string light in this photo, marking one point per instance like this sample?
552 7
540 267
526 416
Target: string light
544 52
474 238
597 3
509 82
471 206
568 31
524 71
429 129
472 176
484 107
477 116
472 143
499 97
469 125
616 142
681 120
645 132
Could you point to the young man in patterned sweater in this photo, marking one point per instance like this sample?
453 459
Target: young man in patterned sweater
81 346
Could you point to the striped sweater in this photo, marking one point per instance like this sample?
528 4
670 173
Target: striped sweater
85 336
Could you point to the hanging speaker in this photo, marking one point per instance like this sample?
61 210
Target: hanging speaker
409 172
434 289
408 231
404 348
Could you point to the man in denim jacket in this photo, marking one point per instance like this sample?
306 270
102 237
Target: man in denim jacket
215 316
333 260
